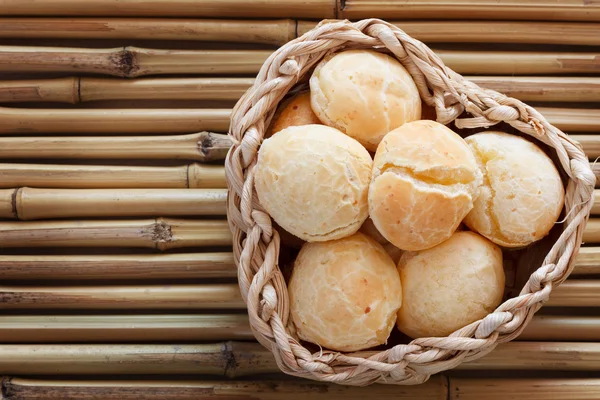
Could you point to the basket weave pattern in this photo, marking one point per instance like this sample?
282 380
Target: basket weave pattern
256 244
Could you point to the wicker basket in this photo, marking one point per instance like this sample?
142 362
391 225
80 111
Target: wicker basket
256 244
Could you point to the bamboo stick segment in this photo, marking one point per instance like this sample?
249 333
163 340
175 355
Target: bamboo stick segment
6 204
576 293
132 62
543 89
592 231
572 10
31 204
572 33
234 359
94 121
211 296
203 146
158 233
150 121
436 388
173 8
562 328
276 32
519 63
572 119
123 328
123 266
520 388
110 176
587 262
76 90
520 356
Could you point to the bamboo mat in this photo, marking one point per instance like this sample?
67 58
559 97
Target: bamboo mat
116 268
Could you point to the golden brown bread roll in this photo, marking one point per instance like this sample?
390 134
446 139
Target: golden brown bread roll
424 182
344 294
313 181
364 94
449 286
522 195
296 111
369 229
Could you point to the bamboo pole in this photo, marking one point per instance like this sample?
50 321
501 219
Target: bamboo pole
160 233
592 231
572 119
520 356
83 89
30 204
562 328
543 88
76 90
573 10
233 359
587 262
132 62
203 146
572 33
85 121
110 176
576 293
436 388
524 388
6 203
276 32
123 266
123 328
172 8
150 121
211 296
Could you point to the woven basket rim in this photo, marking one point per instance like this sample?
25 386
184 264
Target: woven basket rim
256 243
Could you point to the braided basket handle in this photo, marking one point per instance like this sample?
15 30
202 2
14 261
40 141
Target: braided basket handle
256 244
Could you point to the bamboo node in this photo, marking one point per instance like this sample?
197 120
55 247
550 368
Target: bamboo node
160 232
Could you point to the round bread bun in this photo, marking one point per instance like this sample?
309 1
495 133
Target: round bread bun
364 94
344 294
424 182
369 229
313 180
449 286
522 196
296 111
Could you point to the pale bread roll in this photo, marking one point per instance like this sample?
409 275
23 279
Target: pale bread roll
424 182
449 286
344 294
522 196
313 180
364 94
295 111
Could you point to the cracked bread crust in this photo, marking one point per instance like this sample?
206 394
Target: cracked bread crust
522 195
364 94
424 182
449 286
344 294
313 180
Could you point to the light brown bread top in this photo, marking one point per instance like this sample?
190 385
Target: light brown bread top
344 294
313 181
296 111
425 180
450 285
364 94
522 196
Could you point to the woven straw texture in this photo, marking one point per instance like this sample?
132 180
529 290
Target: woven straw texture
256 244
